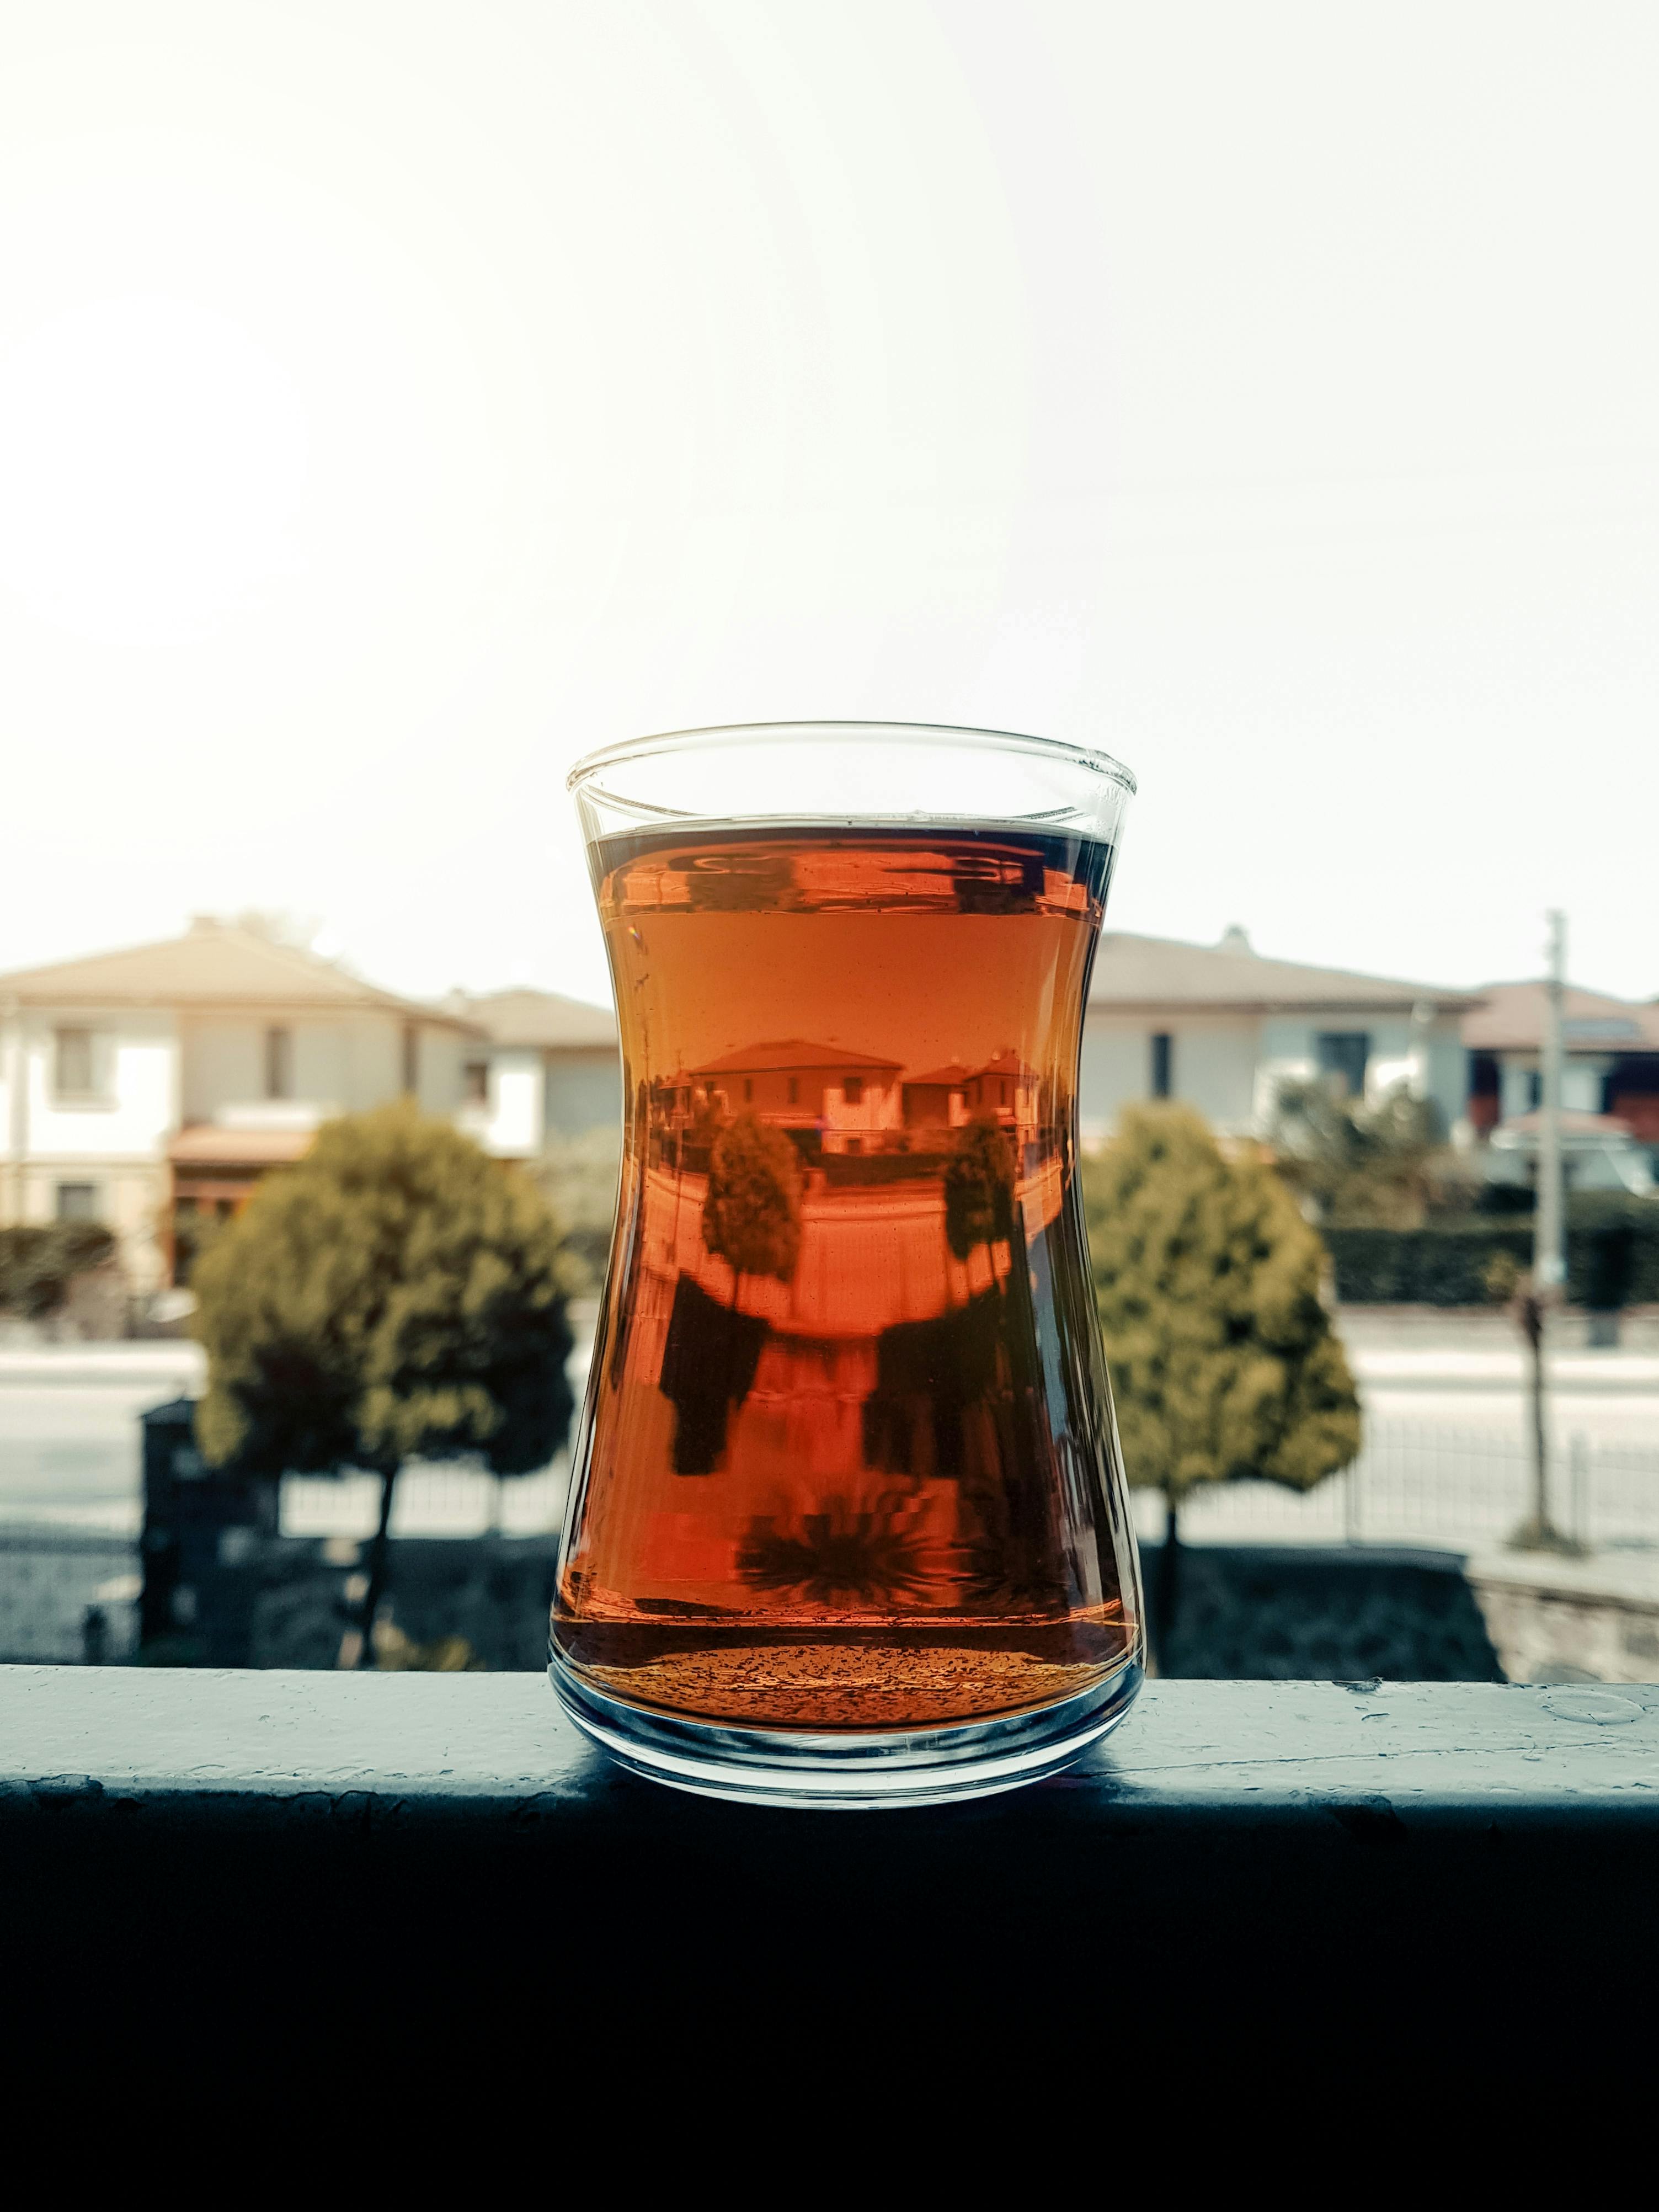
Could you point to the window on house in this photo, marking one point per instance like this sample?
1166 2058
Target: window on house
1163 1066
748 1089
77 1201
1484 1080
794 1090
74 1074
1534 1089
279 1063
1002 1094
1342 1056
411 1059
475 1077
852 1091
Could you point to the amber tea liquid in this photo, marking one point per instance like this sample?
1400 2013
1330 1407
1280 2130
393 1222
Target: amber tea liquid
855 1427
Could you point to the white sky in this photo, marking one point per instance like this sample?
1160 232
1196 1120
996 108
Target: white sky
397 400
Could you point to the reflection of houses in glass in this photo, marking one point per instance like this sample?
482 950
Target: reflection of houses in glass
1004 1088
827 1095
938 1099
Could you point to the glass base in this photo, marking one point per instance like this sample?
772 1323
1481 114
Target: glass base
846 1772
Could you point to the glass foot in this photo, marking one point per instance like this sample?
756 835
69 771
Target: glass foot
846 1772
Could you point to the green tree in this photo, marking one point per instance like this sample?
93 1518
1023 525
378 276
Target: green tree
752 1215
979 1187
1360 1165
1224 1363
394 1295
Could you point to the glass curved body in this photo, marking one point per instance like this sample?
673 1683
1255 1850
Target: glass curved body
848 1521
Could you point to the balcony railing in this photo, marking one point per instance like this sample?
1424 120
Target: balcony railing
1296 1878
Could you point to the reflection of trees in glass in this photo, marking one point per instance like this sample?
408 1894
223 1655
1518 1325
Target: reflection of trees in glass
982 1208
841 1556
706 1121
979 1187
927 1374
752 1216
708 1364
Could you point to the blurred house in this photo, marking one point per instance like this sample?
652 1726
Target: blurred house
138 1085
1224 1029
1610 1066
542 1067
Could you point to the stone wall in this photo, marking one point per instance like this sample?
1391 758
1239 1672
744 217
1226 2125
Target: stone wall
291 1601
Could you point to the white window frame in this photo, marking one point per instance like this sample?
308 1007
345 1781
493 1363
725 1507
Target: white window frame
100 1068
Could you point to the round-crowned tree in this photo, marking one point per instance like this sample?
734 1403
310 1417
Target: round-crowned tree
1224 1366
751 1214
979 1187
395 1295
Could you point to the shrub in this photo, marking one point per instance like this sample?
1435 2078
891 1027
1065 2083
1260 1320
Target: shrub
1612 1257
1223 1361
39 1260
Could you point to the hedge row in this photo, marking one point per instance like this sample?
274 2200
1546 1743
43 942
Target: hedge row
39 1261
1613 1260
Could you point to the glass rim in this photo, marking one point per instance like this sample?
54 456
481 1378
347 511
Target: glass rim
1058 750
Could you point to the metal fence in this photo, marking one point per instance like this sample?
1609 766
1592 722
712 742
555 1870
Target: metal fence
429 1500
1421 1483
67 1595
70 1595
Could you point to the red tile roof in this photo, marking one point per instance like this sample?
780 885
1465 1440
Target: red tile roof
1512 1020
787 1055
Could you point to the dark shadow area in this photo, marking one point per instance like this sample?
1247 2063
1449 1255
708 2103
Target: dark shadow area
1261 1614
708 1364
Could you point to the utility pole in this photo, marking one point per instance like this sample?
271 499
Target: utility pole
1549 1265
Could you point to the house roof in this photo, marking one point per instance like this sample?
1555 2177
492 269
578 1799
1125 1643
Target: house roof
1154 974
215 964
1512 1020
541 1019
788 1055
952 1077
1006 1062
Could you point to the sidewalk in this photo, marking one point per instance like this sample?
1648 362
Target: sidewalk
1450 1369
165 1364
1414 1348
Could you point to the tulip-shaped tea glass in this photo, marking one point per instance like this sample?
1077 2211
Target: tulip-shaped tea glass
847 1522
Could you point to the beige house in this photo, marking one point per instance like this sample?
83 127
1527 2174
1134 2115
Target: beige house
1218 1025
169 1077
541 1066
1223 1028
